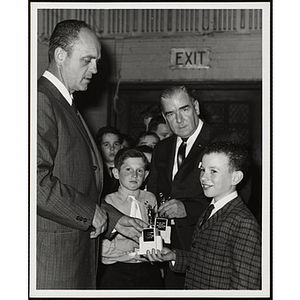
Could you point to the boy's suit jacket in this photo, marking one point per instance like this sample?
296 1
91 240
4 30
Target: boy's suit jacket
225 252
110 183
186 184
69 184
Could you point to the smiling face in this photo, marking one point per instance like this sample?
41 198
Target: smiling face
131 174
217 180
77 68
181 114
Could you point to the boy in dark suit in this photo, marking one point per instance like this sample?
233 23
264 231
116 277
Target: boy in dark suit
226 245
109 142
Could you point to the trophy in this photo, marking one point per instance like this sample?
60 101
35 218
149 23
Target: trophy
161 223
150 236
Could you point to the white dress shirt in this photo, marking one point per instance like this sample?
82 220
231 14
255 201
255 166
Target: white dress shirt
59 85
190 142
222 202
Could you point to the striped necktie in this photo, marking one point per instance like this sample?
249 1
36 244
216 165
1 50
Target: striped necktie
181 152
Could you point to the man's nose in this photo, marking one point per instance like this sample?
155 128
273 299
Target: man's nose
178 117
93 67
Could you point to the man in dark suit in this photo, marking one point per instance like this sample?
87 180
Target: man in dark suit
180 184
69 168
226 246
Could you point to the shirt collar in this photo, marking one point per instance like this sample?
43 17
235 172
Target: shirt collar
59 85
124 194
192 138
219 204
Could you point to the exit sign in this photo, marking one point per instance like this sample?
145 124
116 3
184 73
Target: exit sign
190 58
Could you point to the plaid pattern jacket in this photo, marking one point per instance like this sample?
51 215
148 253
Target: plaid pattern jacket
225 252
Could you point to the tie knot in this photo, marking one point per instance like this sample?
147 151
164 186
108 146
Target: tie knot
184 140
132 198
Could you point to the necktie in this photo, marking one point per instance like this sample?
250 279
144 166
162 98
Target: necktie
110 172
207 214
181 152
74 107
135 211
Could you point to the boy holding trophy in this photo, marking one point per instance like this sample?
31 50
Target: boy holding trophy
124 265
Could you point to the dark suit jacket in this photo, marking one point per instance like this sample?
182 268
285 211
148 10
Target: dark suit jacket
225 252
186 184
69 184
110 184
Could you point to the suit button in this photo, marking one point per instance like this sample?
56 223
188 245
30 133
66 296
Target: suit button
81 218
85 219
78 218
94 168
194 245
188 268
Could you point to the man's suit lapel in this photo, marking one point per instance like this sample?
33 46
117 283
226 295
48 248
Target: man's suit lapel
66 106
199 144
95 154
170 156
82 127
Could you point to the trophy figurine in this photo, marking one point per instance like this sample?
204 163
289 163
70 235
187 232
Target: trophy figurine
150 236
161 223
151 215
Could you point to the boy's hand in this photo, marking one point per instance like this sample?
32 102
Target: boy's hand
165 254
172 209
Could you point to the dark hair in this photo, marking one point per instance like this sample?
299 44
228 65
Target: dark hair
128 139
151 110
125 153
64 35
239 157
144 134
105 130
155 121
144 149
174 90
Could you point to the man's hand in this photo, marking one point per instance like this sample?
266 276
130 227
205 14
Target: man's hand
99 222
165 254
172 209
131 227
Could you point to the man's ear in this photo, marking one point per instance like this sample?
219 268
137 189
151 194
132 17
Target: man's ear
197 106
60 55
237 177
115 172
164 117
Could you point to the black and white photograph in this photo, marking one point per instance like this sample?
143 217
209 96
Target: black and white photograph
161 105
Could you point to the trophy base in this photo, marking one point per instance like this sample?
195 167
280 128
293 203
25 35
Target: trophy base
149 240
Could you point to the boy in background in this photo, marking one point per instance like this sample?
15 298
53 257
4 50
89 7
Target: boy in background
147 138
159 126
226 245
124 268
109 141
